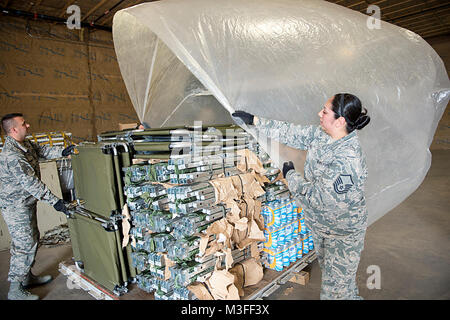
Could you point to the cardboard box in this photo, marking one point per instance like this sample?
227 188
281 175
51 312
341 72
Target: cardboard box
301 277
47 216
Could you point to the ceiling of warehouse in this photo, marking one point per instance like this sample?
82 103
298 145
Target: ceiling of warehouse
428 18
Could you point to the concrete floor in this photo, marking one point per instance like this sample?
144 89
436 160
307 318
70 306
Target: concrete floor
410 245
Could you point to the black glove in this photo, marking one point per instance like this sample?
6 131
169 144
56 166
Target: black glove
61 207
287 166
245 116
67 151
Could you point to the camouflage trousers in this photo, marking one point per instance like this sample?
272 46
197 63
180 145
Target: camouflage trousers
22 226
338 258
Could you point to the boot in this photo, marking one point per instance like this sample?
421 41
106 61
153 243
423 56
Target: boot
32 280
17 292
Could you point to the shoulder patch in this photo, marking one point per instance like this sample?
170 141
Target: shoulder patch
343 183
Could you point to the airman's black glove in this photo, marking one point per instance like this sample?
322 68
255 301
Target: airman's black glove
287 166
67 151
245 116
61 207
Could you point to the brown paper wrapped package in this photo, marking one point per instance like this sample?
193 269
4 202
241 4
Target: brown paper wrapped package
221 285
247 273
200 290
126 226
249 161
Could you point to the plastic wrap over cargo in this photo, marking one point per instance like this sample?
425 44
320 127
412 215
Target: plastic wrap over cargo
186 60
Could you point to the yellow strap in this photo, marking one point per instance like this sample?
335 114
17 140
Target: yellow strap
64 138
269 242
34 137
50 139
269 251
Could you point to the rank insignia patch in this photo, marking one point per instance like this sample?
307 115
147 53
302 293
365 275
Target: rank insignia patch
343 183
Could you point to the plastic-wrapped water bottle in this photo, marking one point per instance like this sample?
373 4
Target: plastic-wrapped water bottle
279 260
272 238
302 224
294 210
270 261
310 242
292 251
286 258
276 239
299 247
274 209
295 228
283 212
288 232
289 212
281 238
266 216
305 240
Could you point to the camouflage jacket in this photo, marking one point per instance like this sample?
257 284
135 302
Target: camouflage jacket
20 183
332 190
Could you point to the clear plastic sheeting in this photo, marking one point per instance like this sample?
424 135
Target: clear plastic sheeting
187 60
65 174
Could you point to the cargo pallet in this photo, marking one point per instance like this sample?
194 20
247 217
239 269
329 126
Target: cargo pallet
271 281
77 280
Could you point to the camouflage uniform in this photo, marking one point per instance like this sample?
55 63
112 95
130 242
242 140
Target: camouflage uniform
20 189
332 197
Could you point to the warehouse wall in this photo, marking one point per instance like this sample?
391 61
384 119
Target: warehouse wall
61 79
442 136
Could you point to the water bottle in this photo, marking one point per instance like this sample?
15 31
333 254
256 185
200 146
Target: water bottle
288 232
275 235
293 251
299 248
311 243
275 210
271 238
270 261
305 240
286 258
281 238
266 216
279 260
283 212
302 226
294 210
295 228
289 212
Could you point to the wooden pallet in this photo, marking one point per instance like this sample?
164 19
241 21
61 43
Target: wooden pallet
271 281
78 280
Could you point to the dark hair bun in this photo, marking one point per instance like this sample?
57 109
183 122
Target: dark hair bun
362 121
349 107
